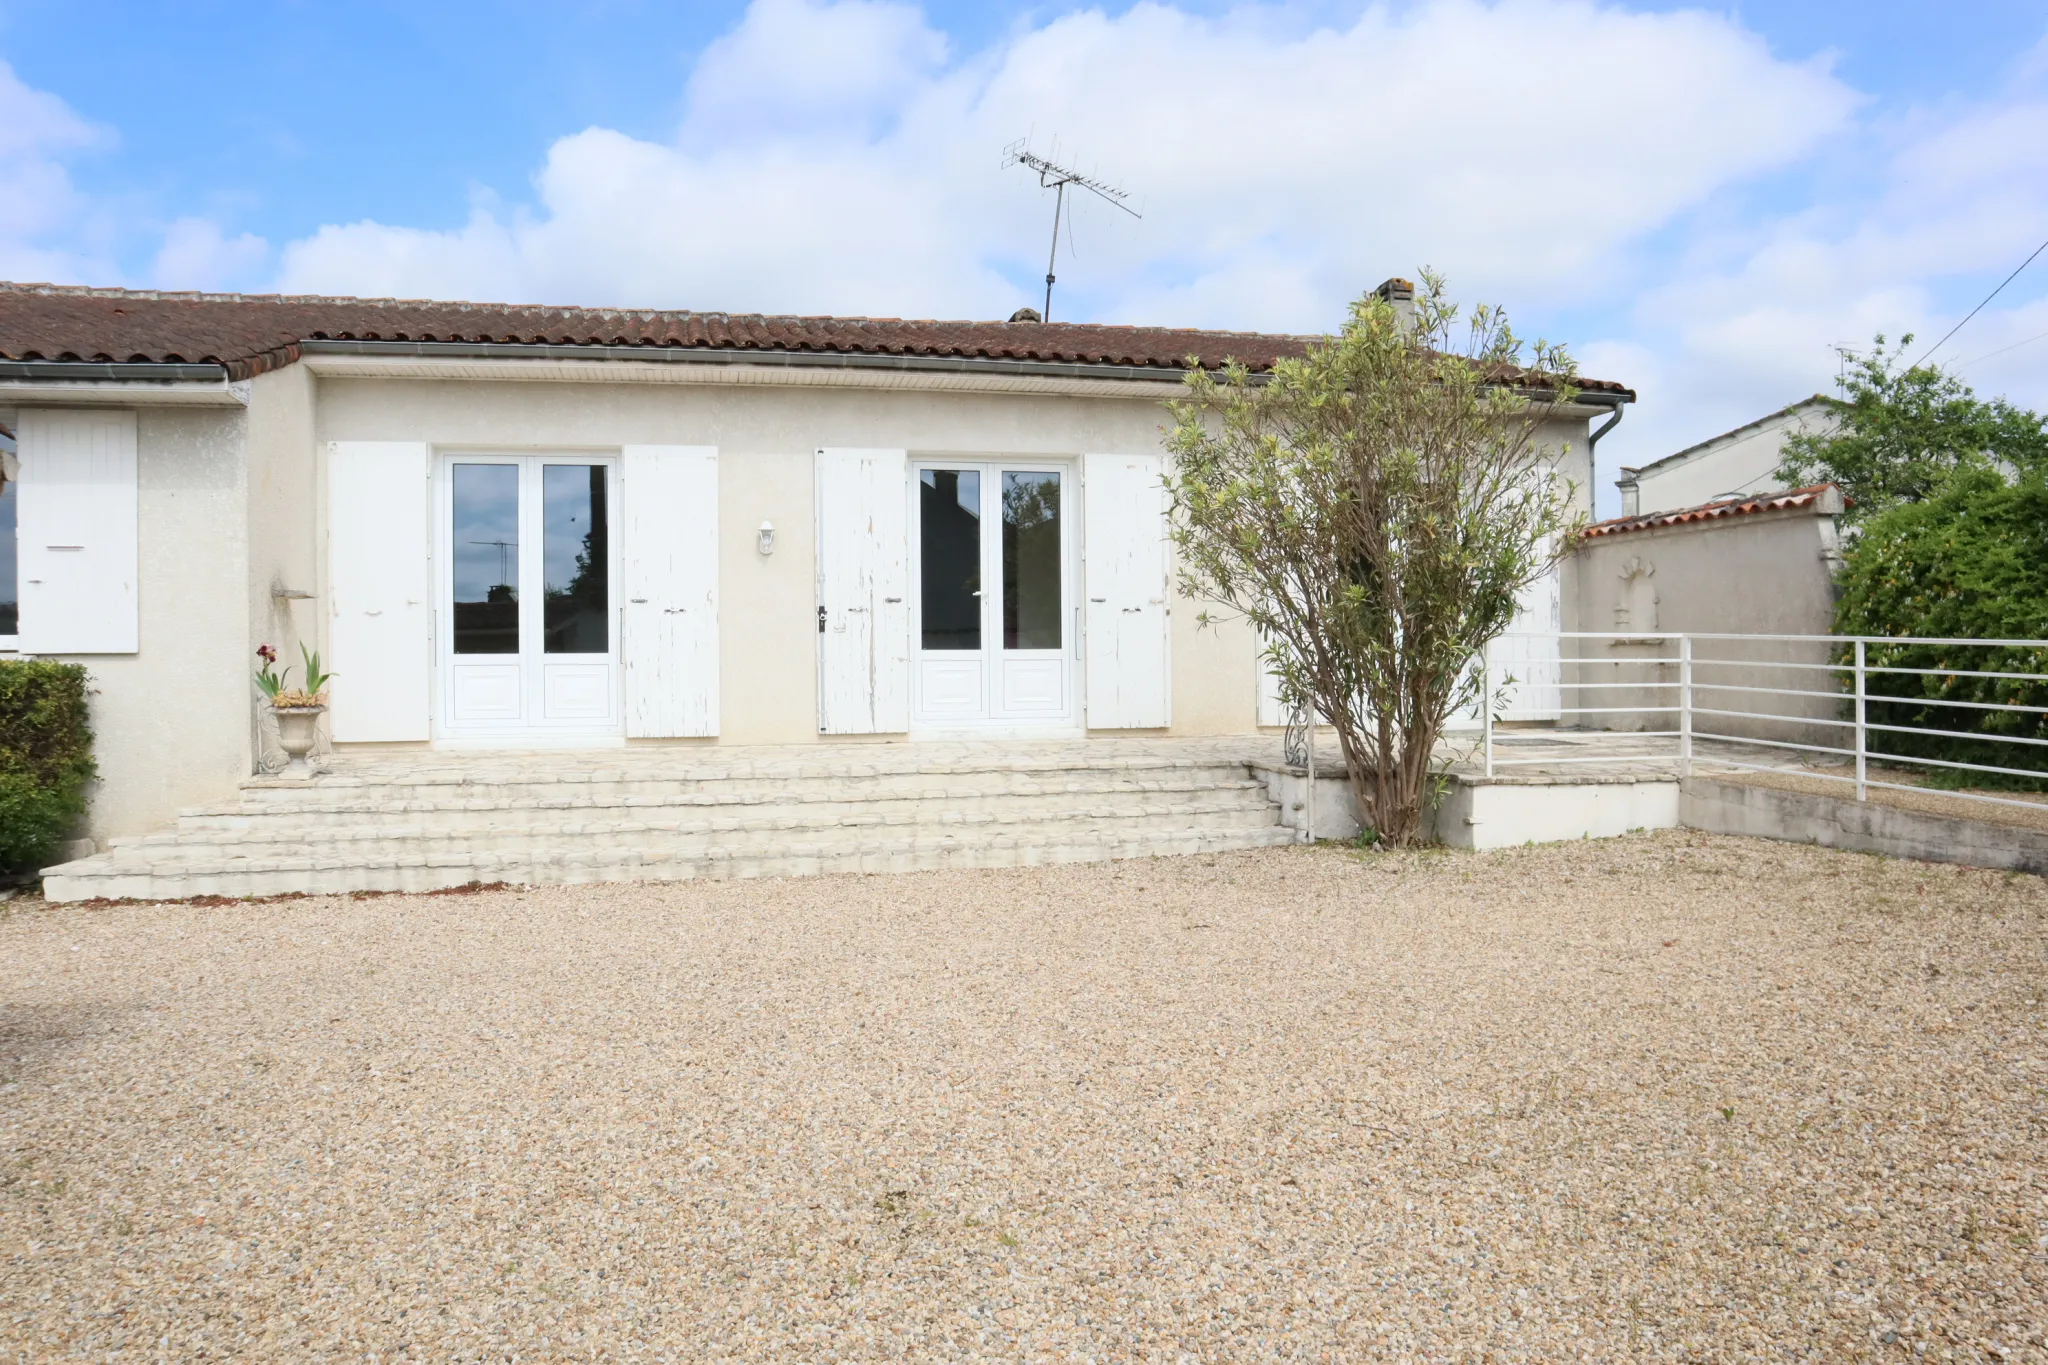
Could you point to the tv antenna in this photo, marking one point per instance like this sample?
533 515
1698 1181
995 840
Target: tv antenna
505 549
1055 177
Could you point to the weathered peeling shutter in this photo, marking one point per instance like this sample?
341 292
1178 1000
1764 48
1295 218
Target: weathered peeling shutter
863 515
1124 573
669 556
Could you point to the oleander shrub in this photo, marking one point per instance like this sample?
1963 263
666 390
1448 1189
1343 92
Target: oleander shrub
1970 561
45 759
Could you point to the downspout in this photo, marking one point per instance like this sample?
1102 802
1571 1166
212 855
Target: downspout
1593 436
1593 461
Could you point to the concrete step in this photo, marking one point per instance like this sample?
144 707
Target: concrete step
170 878
329 793
679 828
453 807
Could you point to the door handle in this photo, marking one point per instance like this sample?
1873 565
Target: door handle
821 620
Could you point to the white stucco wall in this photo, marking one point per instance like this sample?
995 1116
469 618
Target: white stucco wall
765 438
231 509
171 721
282 499
1764 573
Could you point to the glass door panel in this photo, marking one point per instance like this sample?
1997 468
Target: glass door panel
1032 603
949 545
575 559
10 583
486 558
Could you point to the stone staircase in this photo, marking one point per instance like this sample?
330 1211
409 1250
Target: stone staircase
427 820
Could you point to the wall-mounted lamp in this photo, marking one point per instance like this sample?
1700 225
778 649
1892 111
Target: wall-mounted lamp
766 538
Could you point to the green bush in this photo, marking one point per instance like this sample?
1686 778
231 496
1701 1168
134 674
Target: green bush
45 759
1968 562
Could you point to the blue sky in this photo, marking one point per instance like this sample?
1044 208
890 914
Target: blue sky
1701 200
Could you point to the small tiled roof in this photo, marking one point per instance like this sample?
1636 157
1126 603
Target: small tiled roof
1817 495
251 333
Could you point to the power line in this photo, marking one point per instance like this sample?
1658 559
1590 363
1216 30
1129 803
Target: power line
2003 349
1980 307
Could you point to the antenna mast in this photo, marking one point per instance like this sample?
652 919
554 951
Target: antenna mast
1055 177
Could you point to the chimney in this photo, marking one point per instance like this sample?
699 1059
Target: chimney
1631 493
1400 293
1026 315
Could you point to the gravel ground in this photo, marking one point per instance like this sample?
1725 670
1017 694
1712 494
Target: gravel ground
1659 1098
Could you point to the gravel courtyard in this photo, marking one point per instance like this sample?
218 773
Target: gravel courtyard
1665 1097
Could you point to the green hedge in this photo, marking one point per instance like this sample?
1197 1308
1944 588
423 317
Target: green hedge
1970 562
45 759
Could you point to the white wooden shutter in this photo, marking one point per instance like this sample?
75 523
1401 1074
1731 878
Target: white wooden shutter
669 557
1124 561
379 589
76 533
1529 653
863 592
1272 711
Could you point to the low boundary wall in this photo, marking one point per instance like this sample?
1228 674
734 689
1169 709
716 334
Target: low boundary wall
1722 807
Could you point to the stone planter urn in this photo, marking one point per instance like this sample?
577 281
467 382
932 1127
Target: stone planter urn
298 728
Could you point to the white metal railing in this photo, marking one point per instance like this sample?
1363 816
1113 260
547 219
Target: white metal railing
1690 688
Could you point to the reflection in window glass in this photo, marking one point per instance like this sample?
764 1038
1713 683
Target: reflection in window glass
1031 560
486 558
949 549
575 559
10 593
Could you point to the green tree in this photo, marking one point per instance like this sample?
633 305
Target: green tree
1968 563
1373 508
1901 430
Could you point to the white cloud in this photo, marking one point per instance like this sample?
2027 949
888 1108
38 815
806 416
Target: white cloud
51 230
48 230
815 71
1705 218
833 159
197 254
1948 202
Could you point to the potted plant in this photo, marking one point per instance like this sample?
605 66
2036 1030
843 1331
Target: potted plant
298 709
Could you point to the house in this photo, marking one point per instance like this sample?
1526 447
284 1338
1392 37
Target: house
512 529
1735 464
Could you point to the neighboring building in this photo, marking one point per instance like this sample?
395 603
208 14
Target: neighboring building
1759 566
1735 464
528 528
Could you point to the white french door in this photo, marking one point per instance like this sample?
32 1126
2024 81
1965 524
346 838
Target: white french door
993 628
529 624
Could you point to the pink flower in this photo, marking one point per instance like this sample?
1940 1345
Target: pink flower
266 653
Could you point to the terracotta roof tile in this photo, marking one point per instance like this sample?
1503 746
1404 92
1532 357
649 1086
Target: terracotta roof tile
251 333
1726 507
